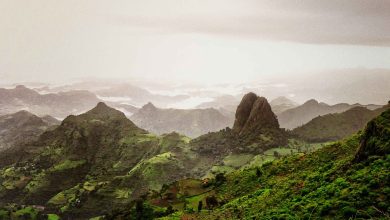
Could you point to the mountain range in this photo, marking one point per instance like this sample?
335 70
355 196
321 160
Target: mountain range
58 105
281 104
302 114
190 122
125 93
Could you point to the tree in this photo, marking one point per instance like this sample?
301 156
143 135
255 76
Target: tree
185 204
258 172
139 207
164 188
211 202
200 205
169 210
276 154
220 179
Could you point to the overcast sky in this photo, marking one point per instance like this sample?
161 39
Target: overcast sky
203 41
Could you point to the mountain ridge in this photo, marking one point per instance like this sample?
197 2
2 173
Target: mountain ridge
190 122
302 114
336 126
21 127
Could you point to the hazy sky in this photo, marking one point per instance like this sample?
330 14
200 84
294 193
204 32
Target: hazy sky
203 41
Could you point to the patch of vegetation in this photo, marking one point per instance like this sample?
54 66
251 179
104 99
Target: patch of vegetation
38 181
123 193
27 212
16 212
65 197
53 217
237 160
68 164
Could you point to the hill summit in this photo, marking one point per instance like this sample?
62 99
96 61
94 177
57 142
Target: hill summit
104 111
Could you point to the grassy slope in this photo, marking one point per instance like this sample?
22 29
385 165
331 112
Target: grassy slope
326 184
336 126
97 150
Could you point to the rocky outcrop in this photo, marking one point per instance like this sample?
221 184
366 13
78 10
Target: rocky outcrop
254 114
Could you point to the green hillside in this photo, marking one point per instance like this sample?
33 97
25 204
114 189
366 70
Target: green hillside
336 126
345 180
91 164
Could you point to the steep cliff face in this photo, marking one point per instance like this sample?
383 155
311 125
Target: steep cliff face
253 114
256 123
255 130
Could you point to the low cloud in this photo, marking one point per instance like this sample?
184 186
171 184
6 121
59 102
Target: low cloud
359 22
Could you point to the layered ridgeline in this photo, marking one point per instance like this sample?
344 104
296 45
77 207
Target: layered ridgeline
281 104
348 179
227 104
190 122
22 127
59 105
99 161
136 95
336 126
302 114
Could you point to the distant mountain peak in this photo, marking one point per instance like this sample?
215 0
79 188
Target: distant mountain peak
24 113
20 87
311 102
282 100
149 106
